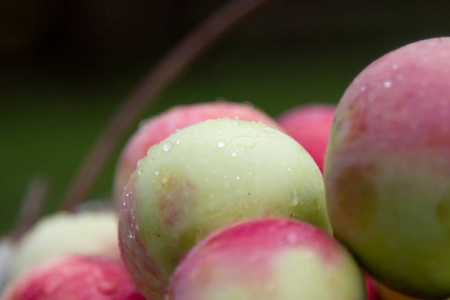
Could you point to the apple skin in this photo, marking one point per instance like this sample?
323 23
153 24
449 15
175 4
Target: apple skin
74 278
388 294
310 125
203 177
267 259
63 233
158 128
387 169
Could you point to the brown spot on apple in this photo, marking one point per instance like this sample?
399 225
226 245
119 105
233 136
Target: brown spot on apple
443 213
356 195
174 198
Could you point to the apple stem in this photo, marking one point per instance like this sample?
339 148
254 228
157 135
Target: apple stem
167 70
32 205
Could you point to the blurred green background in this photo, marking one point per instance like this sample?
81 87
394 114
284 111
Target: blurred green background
66 65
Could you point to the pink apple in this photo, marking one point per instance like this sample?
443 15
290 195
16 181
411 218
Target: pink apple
267 258
160 127
310 125
74 278
387 170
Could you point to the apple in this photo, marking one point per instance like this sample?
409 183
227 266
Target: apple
158 128
63 233
267 258
310 125
388 294
203 177
74 277
387 169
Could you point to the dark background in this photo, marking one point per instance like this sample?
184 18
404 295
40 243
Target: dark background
66 65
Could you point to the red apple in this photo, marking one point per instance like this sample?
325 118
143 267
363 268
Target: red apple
75 278
267 258
310 125
387 169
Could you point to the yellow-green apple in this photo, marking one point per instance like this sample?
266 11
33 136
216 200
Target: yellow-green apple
205 176
156 129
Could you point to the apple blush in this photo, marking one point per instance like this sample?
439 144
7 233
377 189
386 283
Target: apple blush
387 169
268 259
310 125
206 176
158 128
74 278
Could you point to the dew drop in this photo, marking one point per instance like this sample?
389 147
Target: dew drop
107 287
362 89
178 140
387 84
394 67
167 146
234 154
269 130
157 172
140 171
295 198
221 144
238 177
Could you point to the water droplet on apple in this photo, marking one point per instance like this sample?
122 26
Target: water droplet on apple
221 144
107 287
295 198
167 146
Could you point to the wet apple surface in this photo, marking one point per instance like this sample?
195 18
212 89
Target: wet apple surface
209 175
387 169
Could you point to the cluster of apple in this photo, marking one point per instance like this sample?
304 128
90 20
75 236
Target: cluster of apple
218 201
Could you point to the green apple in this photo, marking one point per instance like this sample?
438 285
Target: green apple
205 176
